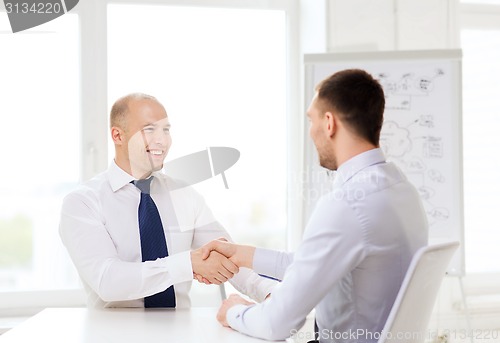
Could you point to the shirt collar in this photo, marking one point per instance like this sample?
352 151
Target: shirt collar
118 177
357 163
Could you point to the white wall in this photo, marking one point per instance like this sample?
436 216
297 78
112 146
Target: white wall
372 25
360 25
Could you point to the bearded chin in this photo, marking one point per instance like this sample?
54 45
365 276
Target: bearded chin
329 163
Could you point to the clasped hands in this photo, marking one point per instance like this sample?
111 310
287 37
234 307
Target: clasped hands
219 260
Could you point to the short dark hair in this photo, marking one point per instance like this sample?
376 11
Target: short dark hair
358 99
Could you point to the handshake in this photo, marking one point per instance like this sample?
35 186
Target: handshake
218 261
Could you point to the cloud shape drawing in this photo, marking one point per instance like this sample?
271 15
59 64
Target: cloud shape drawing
395 140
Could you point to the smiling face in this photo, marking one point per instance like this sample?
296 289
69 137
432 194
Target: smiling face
143 139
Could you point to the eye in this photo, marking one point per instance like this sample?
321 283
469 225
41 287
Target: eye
148 129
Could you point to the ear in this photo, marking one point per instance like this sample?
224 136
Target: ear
117 135
330 124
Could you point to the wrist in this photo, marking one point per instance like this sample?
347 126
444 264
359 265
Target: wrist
195 258
246 256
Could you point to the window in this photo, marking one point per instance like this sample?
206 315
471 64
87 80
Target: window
223 83
40 151
481 73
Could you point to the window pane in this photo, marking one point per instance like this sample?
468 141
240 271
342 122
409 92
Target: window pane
481 72
39 146
223 83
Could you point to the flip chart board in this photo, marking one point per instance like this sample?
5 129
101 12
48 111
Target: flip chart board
422 131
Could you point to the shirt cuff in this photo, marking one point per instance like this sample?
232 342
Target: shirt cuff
233 316
180 267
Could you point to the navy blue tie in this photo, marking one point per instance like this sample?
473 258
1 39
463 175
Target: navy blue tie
153 243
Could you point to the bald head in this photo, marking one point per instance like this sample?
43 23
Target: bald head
120 109
140 131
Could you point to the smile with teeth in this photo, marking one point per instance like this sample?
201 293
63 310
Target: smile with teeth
156 152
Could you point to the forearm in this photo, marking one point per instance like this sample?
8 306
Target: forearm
258 321
271 263
113 269
120 281
243 256
251 284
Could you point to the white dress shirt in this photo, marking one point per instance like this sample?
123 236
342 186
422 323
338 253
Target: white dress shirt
354 255
99 227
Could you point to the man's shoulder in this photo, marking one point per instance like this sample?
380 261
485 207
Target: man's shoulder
90 188
377 178
175 185
382 179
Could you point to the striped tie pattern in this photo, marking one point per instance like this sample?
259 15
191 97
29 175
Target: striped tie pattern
153 243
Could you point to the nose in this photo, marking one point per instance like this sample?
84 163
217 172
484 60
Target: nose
161 137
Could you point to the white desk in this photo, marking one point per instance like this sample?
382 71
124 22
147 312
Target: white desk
71 325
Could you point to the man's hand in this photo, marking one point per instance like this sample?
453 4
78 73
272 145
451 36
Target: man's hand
233 300
215 269
201 279
241 255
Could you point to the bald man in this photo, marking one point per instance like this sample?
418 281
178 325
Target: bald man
113 247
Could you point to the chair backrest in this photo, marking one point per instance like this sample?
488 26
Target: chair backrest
409 317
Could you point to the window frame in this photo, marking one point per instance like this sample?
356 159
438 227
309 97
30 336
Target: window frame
482 17
27 303
92 16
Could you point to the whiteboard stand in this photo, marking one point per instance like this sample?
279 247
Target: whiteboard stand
466 308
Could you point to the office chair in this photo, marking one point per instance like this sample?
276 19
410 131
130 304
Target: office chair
409 317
